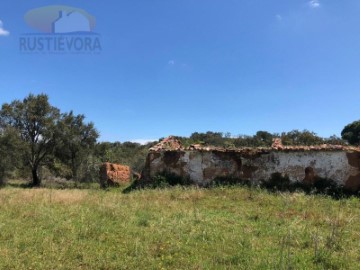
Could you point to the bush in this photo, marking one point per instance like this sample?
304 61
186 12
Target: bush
169 179
278 182
230 181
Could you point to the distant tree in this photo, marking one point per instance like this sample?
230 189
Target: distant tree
75 141
244 141
104 151
351 133
335 140
260 139
305 137
127 153
208 138
263 138
34 120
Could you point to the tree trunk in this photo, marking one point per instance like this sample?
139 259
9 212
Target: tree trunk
36 180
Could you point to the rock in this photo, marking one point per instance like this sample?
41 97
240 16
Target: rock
114 174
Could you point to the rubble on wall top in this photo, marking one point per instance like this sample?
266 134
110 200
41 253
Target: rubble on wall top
168 144
173 144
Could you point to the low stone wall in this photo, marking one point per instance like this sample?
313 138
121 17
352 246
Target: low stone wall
201 165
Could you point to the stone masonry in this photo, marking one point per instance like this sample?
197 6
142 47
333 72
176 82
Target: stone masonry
201 165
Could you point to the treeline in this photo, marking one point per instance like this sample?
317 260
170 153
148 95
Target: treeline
127 153
38 141
260 139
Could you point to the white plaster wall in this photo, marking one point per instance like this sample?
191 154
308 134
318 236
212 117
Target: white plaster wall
194 166
328 164
332 165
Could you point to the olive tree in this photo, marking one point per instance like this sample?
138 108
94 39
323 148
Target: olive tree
76 141
35 121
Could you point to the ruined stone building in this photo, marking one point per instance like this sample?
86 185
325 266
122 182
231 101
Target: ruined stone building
201 165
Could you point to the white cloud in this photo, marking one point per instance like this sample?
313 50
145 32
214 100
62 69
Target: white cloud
3 32
314 3
278 17
171 62
143 141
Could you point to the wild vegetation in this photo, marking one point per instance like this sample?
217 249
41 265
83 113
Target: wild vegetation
177 228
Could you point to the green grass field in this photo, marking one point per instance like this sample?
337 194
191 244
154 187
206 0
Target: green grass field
218 228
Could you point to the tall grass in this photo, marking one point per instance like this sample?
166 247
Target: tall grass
177 228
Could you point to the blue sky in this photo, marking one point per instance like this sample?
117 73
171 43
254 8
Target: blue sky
175 67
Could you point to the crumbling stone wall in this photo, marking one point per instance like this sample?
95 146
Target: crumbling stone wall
201 165
114 174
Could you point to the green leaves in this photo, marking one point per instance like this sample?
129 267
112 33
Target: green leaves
42 129
76 141
10 144
351 133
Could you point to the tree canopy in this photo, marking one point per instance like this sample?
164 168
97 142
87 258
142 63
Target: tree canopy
9 151
41 129
351 133
76 139
35 121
